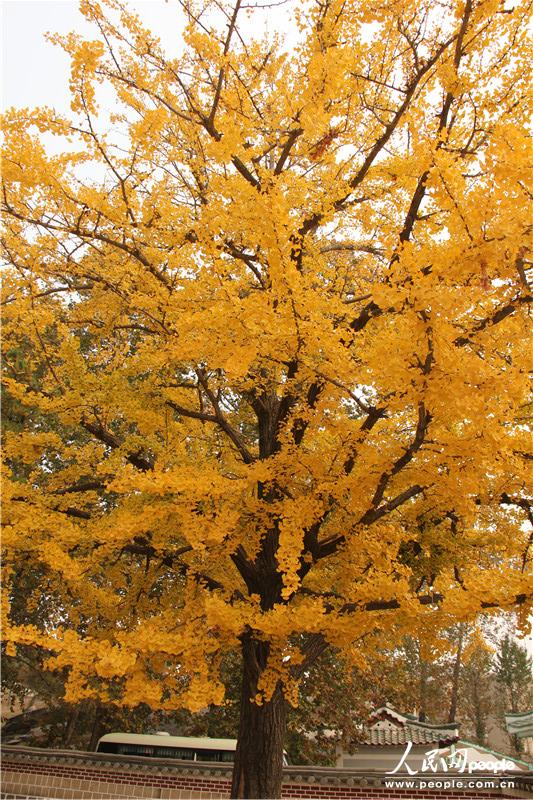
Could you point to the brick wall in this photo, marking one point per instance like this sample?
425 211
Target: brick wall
35 773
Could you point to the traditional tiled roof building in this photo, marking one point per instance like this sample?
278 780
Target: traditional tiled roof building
388 732
386 735
521 725
386 726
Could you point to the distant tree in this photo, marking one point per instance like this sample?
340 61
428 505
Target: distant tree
459 636
513 672
476 694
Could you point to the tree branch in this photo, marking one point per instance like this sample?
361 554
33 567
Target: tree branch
494 319
287 147
106 437
217 418
424 418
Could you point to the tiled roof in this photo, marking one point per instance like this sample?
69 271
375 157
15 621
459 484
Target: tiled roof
409 733
390 713
520 724
390 727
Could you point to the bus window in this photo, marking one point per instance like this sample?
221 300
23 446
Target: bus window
184 754
107 747
135 750
210 755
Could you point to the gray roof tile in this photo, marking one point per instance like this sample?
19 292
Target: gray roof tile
409 733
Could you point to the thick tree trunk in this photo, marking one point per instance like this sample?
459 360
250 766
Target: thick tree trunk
258 767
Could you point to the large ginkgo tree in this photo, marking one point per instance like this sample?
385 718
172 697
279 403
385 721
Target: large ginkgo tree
265 342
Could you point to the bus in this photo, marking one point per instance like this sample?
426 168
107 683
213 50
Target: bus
163 745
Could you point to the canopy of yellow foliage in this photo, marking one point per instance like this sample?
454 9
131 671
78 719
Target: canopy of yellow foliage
265 342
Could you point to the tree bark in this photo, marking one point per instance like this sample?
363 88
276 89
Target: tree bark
258 767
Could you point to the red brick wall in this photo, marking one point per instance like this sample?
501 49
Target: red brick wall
88 776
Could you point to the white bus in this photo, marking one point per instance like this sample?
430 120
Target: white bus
163 745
